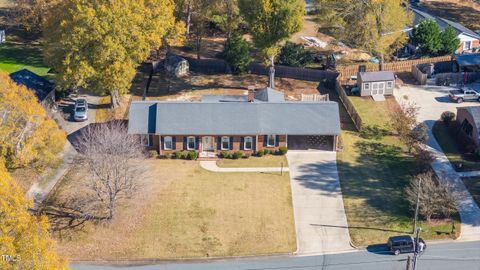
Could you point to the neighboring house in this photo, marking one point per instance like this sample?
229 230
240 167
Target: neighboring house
469 120
469 40
376 83
43 89
246 123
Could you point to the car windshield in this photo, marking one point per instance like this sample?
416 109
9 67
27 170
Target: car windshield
80 109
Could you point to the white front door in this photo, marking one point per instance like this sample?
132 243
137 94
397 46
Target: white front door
374 89
207 143
381 88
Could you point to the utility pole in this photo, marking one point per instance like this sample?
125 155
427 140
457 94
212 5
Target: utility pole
416 251
417 206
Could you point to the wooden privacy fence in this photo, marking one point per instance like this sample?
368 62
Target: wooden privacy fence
419 75
357 120
400 66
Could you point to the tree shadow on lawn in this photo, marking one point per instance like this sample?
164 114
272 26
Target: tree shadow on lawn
21 55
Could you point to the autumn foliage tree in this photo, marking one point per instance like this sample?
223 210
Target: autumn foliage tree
99 44
23 236
27 134
272 22
31 14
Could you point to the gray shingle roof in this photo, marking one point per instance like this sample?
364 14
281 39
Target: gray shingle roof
442 23
377 76
34 82
468 59
237 118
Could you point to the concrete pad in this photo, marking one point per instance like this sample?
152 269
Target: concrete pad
320 219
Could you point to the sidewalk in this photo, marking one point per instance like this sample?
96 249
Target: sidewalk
212 166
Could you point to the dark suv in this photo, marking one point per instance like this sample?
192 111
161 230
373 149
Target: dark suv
403 244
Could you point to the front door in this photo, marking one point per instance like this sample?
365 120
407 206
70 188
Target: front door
207 143
381 88
374 89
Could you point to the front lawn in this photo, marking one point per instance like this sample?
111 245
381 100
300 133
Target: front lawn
452 150
184 211
374 171
473 186
265 161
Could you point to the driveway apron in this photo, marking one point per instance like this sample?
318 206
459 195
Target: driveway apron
320 219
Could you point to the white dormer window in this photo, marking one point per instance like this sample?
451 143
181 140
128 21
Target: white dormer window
467 45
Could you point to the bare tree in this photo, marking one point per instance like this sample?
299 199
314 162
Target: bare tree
434 198
404 121
110 154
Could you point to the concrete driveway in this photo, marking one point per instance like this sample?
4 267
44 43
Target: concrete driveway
320 219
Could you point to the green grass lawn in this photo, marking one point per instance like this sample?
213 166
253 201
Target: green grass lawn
15 56
265 161
374 172
451 149
473 186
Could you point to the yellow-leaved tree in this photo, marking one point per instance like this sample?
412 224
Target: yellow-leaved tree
24 239
27 134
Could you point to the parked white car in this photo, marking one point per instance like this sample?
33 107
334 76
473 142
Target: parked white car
80 111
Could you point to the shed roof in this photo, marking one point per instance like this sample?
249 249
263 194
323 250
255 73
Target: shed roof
235 118
36 83
468 59
377 76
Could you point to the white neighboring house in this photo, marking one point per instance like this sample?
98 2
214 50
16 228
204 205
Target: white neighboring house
469 40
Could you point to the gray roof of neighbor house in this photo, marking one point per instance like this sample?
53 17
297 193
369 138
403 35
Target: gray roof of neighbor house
468 59
34 82
377 76
442 23
474 111
234 118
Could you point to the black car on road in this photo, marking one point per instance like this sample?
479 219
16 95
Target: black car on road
403 244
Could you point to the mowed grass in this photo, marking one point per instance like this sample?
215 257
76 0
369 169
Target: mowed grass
184 211
451 148
373 175
473 186
265 161
15 56
374 112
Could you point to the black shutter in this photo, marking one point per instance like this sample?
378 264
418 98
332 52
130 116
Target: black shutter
277 140
242 141
254 140
265 140
162 140
174 142
184 142
231 143
197 143
219 143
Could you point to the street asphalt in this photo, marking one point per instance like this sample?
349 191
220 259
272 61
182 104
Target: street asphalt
441 256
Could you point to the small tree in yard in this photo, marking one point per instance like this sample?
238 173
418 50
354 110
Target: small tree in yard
237 54
109 153
427 35
433 196
294 55
450 41
403 121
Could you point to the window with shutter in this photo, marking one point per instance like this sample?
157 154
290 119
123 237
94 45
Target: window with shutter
225 143
248 143
271 140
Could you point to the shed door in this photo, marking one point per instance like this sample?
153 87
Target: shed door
374 88
381 88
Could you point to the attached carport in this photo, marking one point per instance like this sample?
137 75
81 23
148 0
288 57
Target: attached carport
311 142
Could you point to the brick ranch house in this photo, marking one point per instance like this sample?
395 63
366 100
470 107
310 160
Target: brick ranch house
247 123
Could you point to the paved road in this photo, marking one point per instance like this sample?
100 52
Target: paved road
320 219
432 102
449 256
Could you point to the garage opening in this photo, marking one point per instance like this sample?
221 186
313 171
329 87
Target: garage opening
310 142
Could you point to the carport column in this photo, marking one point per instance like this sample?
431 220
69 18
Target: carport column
335 138
160 145
286 140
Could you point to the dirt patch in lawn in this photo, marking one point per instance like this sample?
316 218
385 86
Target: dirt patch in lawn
462 11
195 85
185 211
